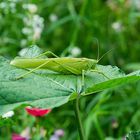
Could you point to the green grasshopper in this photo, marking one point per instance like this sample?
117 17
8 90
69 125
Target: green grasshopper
63 65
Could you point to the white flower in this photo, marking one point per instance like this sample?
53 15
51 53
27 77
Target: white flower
37 26
37 22
38 19
32 8
8 114
75 51
117 26
33 27
53 17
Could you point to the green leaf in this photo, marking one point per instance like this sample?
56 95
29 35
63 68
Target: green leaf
49 90
31 52
99 82
133 136
132 66
37 90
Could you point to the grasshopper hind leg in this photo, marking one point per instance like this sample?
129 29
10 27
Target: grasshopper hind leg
83 81
32 70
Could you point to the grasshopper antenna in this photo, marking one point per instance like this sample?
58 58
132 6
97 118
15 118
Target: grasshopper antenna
104 54
98 55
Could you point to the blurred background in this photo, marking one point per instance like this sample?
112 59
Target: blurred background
77 28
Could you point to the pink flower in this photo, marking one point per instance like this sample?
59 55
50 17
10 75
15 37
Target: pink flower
18 137
37 112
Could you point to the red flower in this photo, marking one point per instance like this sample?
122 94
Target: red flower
18 137
37 112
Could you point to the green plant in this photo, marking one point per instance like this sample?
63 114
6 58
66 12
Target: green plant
45 89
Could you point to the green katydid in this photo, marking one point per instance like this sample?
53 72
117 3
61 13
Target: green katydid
63 65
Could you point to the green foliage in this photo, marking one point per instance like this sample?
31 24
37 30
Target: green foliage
133 136
68 25
6 122
49 90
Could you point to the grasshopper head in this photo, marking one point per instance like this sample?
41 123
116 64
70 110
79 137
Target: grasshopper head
91 63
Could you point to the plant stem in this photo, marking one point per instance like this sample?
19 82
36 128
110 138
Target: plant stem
78 119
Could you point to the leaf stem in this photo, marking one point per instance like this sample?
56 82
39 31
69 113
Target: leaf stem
78 119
